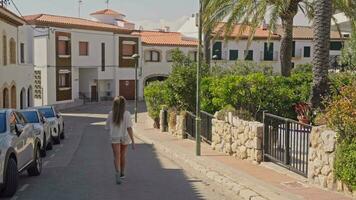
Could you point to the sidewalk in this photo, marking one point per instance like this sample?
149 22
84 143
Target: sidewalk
242 178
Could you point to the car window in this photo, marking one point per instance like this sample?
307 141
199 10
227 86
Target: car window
21 119
47 112
2 122
31 116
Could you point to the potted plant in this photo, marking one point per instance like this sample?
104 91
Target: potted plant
303 112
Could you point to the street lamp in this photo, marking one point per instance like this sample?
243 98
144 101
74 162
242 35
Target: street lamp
198 119
136 57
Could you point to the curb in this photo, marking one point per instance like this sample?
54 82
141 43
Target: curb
237 188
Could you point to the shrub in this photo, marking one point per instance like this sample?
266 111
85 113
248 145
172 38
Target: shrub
348 54
345 163
341 113
156 95
243 68
255 93
303 68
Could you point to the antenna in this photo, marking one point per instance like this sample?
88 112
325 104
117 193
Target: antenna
80 2
107 3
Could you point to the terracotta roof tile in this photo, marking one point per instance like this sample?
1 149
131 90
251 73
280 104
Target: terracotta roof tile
10 17
106 12
72 22
259 34
306 33
165 38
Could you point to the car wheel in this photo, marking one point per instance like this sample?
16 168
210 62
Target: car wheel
43 149
36 166
62 133
11 179
50 144
56 140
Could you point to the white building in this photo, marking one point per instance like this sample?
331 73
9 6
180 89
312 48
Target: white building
157 49
16 61
265 48
78 58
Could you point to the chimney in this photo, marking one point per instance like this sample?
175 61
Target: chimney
264 25
167 28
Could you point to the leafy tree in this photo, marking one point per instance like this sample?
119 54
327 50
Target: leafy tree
250 14
348 54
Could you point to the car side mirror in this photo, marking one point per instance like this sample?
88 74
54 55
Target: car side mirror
58 116
19 129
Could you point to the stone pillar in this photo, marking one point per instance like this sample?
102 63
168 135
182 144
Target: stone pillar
321 157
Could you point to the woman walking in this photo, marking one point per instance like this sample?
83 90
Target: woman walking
120 125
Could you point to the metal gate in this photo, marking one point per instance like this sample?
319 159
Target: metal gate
286 142
206 126
190 125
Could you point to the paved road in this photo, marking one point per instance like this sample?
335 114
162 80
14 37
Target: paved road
81 167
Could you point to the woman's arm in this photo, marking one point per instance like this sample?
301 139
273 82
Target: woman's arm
130 131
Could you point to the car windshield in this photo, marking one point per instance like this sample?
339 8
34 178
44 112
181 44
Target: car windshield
47 112
2 122
31 116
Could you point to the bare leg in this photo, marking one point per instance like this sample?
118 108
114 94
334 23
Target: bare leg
123 150
116 151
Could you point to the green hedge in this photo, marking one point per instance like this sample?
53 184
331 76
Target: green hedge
345 163
256 92
156 95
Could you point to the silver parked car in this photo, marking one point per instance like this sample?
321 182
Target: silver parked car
55 120
42 127
20 150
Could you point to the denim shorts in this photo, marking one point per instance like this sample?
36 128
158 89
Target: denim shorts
125 140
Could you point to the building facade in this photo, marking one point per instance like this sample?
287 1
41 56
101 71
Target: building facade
265 47
16 61
82 59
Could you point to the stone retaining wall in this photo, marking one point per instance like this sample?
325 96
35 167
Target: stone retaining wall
321 160
242 139
176 125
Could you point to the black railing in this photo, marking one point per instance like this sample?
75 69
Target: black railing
206 126
190 125
286 142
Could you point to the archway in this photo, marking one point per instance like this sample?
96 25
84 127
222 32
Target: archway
23 98
13 97
29 97
5 100
155 78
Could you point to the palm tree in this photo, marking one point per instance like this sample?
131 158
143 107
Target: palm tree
251 13
321 26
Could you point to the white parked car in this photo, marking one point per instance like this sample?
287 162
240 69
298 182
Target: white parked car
42 127
20 150
55 120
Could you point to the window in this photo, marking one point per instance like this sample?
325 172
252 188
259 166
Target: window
268 52
169 56
335 46
152 56
12 51
2 122
293 49
31 116
103 56
4 49
63 48
22 53
306 52
217 50
64 79
249 55
193 55
234 55
83 48
128 49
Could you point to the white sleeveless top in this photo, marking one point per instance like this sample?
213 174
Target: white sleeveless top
117 132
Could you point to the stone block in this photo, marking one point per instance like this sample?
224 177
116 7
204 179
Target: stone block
314 138
330 181
243 152
325 170
328 141
323 181
258 198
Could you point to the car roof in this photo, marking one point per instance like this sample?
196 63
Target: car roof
39 107
5 110
29 109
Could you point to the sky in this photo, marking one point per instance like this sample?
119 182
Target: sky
147 12
150 14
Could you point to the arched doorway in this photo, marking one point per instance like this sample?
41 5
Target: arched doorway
5 100
13 97
29 97
155 78
23 98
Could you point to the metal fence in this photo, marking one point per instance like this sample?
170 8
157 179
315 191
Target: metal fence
286 142
190 125
206 126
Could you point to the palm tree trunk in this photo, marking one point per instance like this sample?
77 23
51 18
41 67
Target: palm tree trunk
286 45
207 50
321 26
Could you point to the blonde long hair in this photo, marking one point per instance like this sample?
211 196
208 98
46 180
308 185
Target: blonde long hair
118 110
